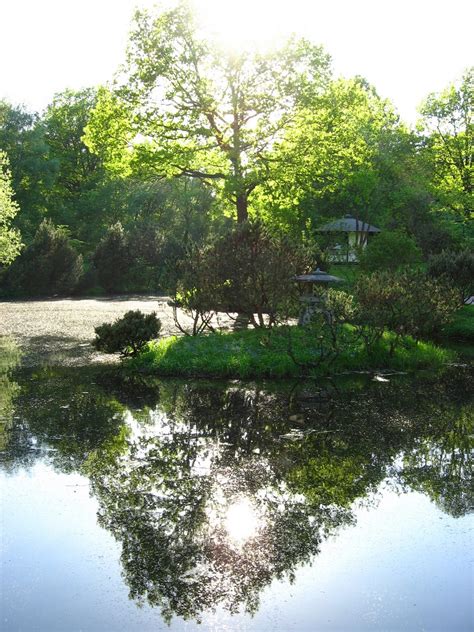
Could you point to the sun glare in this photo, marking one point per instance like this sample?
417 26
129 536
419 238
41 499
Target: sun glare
241 521
247 24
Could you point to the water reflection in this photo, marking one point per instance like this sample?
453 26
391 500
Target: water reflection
10 356
242 521
216 489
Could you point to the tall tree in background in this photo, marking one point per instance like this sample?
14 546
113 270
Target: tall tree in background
65 119
334 157
185 108
32 170
83 196
448 128
9 237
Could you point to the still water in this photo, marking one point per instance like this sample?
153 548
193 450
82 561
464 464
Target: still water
154 505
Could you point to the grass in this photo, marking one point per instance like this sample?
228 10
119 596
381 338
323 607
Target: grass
462 325
259 354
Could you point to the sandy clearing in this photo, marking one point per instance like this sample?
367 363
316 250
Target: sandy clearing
60 331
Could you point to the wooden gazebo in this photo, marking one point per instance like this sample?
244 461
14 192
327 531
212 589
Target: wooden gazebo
350 234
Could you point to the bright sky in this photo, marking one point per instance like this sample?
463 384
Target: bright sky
406 48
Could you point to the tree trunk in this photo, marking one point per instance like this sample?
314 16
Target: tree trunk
242 208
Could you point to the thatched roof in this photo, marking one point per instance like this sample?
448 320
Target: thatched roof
348 224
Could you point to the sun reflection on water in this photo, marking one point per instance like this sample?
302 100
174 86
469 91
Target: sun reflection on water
241 521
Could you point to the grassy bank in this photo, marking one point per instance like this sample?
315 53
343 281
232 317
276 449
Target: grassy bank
255 354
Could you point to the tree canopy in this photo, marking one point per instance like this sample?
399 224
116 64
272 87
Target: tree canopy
448 128
184 107
9 237
190 138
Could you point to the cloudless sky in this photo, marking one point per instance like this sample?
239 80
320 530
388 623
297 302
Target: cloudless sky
406 48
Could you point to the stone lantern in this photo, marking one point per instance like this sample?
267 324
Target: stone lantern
312 301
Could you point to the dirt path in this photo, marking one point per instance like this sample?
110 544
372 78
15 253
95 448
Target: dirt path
60 331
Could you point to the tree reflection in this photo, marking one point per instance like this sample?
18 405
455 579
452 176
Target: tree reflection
9 358
215 489
61 416
442 467
223 488
172 501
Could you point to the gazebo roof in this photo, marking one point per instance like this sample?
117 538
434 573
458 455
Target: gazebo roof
348 224
317 276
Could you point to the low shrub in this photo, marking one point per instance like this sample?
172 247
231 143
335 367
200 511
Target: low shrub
405 303
456 269
127 335
247 271
461 326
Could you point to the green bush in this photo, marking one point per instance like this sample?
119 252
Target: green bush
406 303
49 266
127 335
389 251
456 269
461 327
249 271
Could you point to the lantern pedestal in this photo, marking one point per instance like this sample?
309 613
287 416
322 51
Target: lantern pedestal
310 305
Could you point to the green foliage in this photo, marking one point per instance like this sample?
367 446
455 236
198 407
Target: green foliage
127 335
10 243
32 169
407 302
366 163
389 250
190 138
447 127
82 195
249 271
456 269
217 113
112 258
461 327
48 266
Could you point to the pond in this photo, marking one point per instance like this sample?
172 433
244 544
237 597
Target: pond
138 504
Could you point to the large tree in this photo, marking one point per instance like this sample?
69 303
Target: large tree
9 237
32 170
344 152
447 125
183 107
83 196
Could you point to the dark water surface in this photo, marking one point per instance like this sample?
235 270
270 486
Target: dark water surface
131 504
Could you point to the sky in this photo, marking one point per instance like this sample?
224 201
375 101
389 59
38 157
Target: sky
406 49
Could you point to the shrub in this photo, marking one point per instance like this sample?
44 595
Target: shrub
388 251
456 269
461 326
128 334
432 237
49 266
328 329
248 271
197 292
406 303
112 258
